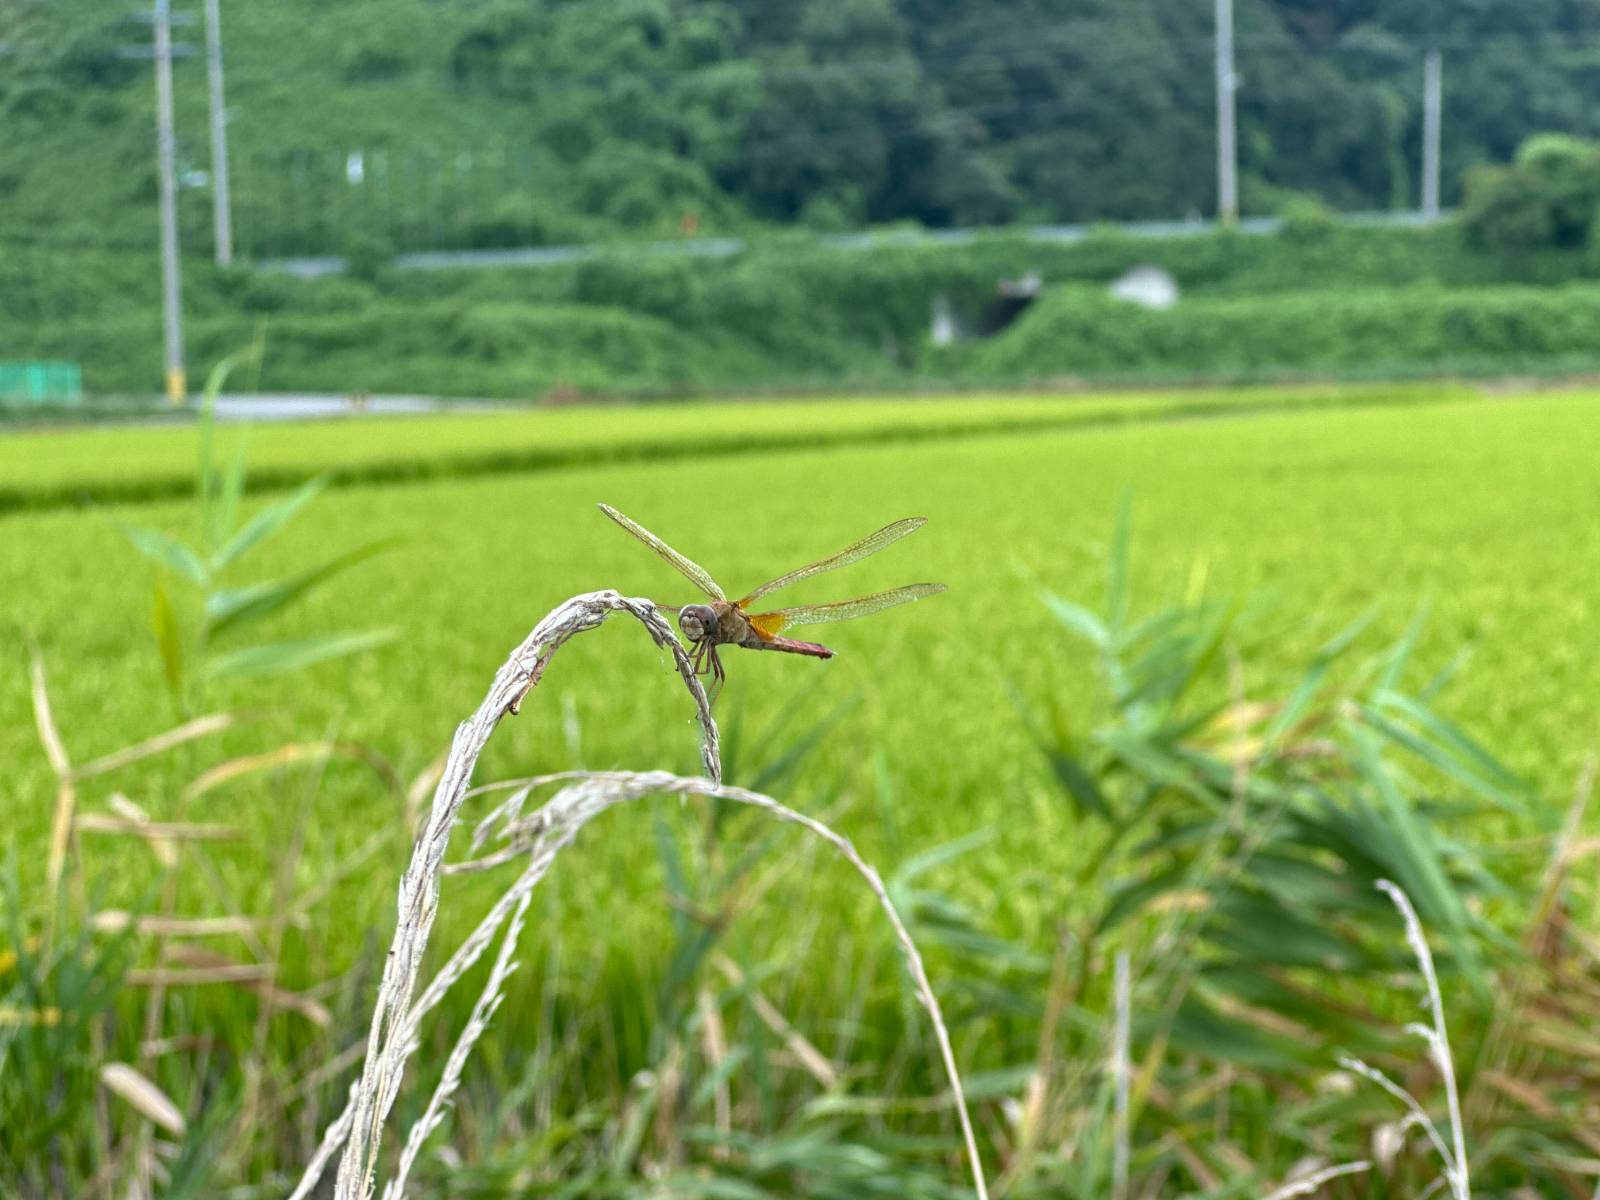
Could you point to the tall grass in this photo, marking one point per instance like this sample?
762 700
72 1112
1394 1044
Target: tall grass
98 1021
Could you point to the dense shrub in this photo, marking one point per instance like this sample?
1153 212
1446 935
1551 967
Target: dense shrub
801 310
1546 198
367 255
1077 331
1307 220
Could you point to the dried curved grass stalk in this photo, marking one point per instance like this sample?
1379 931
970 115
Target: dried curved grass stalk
537 838
387 1048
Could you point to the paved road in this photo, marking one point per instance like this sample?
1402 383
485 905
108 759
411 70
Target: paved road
268 407
307 406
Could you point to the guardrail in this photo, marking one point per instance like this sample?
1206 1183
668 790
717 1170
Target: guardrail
313 267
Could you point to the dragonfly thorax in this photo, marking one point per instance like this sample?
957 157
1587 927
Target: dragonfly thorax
697 621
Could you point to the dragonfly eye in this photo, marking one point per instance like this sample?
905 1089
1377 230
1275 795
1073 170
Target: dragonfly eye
696 620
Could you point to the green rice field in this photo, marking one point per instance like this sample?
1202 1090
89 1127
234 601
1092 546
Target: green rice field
1477 516
1478 512
46 468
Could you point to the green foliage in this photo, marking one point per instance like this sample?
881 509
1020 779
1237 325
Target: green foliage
367 256
787 312
1546 198
508 122
53 994
1236 839
191 637
1307 220
1075 331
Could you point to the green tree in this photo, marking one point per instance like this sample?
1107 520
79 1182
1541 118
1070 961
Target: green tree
1546 198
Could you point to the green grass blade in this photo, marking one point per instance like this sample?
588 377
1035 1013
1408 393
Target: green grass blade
1421 872
1450 736
1079 620
168 551
281 657
169 640
227 507
233 608
209 488
267 522
1311 682
1117 585
1394 663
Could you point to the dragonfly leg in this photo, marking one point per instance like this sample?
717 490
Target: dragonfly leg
718 676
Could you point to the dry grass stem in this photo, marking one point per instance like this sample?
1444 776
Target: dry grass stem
1454 1154
1306 1184
116 920
290 755
1121 1071
597 791
66 795
482 1013
1436 1036
166 852
419 886
145 1097
272 996
716 1051
192 976
156 831
538 839
543 834
187 732
814 1062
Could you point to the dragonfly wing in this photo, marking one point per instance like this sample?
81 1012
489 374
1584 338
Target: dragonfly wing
692 571
768 624
870 544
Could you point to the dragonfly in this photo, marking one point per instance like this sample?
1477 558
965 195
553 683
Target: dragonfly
724 622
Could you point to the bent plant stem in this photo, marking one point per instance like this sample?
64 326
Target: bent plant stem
556 824
538 838
419 886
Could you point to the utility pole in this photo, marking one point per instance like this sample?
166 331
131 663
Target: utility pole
1227 139
221 203
1432 112
171 284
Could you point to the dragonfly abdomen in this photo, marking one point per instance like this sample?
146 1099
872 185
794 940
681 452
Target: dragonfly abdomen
788 646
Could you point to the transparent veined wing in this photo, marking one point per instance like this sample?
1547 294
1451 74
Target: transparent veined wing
870 544
692 571
771 623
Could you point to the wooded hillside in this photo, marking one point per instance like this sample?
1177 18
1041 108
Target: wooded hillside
496 122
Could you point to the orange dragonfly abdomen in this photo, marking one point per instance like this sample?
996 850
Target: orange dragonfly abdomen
765 627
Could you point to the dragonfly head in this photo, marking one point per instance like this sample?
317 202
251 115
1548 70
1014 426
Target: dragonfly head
697 621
